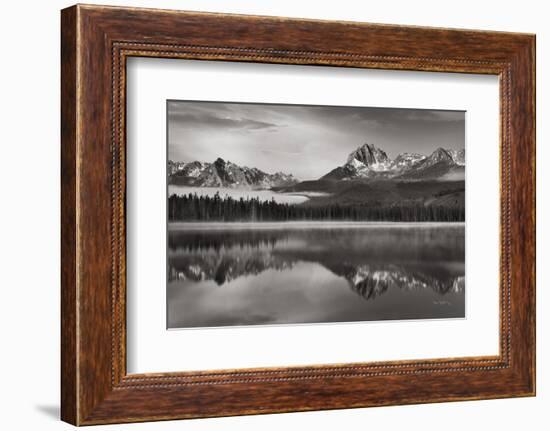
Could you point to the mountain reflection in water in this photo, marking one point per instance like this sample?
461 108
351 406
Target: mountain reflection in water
244 276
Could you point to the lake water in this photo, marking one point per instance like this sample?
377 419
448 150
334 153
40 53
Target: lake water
224 274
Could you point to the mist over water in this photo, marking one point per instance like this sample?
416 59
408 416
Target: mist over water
258 274
236 193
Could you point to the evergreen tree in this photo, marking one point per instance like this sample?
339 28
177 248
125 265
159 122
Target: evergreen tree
192 207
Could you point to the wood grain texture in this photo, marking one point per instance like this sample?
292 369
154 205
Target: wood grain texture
96 41
69 331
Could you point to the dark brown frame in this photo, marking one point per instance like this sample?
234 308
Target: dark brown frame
95 43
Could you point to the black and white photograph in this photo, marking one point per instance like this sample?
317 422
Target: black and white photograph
307 214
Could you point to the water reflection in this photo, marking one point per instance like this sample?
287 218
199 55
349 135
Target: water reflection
242 276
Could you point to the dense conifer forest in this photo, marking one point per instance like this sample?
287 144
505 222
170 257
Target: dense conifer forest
192 207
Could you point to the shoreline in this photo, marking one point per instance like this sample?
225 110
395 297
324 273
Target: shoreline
179 225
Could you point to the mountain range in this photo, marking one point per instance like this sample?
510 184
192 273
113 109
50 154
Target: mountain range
367 162
223 173
367 280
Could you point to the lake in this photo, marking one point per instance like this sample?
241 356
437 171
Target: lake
238 274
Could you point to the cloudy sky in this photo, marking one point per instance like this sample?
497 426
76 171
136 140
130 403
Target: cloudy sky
307 141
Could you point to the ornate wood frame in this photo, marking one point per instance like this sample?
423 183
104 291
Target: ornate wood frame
95 43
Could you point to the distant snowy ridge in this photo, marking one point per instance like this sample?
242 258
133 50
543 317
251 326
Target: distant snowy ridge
368 161
222 173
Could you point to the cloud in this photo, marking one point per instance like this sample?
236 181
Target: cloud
307 141
385 116
205 120
453 176
219 115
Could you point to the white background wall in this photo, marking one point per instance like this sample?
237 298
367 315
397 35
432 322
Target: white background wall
29 225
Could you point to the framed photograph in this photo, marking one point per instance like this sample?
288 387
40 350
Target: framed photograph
376 238
264 215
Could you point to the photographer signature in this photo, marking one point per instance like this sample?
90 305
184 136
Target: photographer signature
441 303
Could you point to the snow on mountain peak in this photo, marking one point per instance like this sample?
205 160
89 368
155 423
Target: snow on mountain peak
223 173
368 161
406 160
458 156
370 156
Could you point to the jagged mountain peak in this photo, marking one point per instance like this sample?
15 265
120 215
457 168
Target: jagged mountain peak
224 173
368 155
369 161
222 162
459 156
440 164
441 153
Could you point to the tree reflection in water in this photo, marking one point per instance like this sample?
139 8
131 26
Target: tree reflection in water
372 261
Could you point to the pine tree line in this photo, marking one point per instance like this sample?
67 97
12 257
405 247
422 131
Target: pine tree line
193 207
